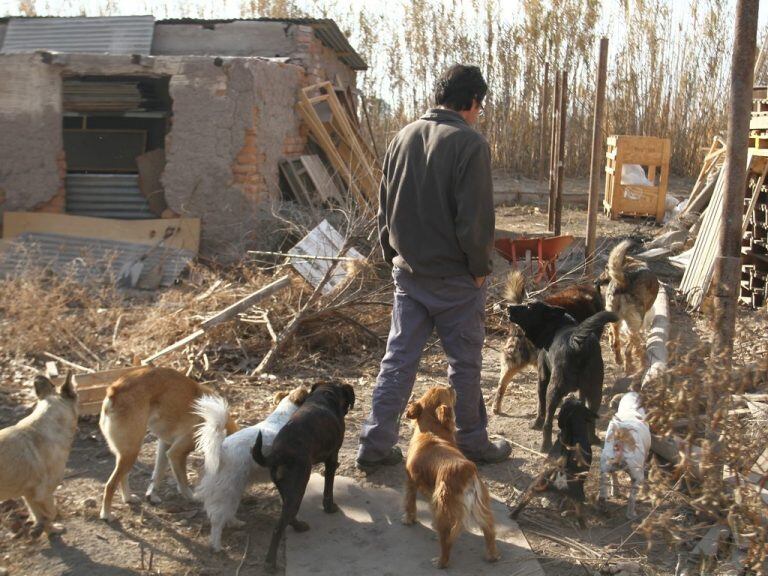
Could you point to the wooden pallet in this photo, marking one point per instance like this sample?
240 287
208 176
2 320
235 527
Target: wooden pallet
632 200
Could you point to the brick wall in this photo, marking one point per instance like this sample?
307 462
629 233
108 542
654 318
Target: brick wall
320 62
247 168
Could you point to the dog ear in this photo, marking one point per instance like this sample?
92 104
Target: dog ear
43 387
349 395
69 388
413 411
445 416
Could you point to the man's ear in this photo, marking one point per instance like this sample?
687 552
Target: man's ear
413 411
43 387
69 388
445 415
349 395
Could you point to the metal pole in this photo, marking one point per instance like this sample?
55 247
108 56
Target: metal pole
553 157
543 109
561 152
728 263
597 157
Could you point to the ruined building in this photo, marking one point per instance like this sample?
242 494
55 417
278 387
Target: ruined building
132 118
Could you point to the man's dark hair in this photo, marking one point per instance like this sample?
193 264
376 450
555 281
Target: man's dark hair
458 85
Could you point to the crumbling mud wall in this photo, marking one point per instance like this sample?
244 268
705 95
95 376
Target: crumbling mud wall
231 125
30 132
232 120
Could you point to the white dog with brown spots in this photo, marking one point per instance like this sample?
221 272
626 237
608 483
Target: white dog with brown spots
627 443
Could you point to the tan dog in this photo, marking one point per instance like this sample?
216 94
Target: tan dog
162 400
631 292
437 468
34 452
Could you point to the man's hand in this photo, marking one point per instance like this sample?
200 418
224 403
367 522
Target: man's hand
479 281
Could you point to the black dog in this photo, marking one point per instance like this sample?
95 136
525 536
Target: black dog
568 461
570 358
312 435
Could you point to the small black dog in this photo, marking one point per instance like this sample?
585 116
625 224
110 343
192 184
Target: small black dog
568 461
313 434
570 358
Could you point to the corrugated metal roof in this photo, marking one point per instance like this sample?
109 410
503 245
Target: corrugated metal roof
113 35
106 196
89 259
326 29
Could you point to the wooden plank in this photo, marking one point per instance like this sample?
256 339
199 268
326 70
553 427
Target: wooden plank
753 201
139 231
227 314
176 345
243 304
92 387
349 150
319 131
322 180
300 191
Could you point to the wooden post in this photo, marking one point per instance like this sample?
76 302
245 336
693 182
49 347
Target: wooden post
553 157
728 263
561 153
598 158
543 109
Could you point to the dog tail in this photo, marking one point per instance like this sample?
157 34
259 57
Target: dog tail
616 263
476 503
592 325
210 433
258 455
514 287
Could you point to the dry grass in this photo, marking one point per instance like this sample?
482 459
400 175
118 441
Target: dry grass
714 481
93 324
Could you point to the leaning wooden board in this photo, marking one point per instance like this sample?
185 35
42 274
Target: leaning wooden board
91 388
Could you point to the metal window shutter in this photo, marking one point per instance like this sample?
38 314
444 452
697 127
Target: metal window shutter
106 196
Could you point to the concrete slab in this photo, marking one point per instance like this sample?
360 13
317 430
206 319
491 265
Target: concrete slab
367 537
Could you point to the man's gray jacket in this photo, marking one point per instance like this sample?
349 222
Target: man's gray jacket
436 213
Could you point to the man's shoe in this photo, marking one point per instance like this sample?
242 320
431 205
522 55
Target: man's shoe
394 457
497 451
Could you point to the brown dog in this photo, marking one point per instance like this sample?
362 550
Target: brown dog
631 292
580 301
34 452
436 468
162 400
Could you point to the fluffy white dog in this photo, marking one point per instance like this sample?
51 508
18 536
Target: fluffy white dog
229 466
627 443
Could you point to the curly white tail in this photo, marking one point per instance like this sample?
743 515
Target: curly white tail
210 434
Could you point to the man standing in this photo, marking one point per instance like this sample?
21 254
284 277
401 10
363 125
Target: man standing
436 226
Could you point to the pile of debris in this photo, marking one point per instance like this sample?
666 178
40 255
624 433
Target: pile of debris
689 240
330 283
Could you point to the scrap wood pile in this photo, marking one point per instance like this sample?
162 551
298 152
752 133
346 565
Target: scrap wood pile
708 491
689 240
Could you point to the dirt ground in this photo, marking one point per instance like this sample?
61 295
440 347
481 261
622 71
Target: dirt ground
171 538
